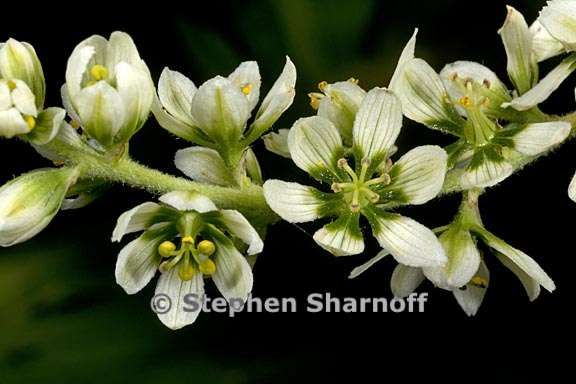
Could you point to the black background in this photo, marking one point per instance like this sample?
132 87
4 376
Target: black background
530 210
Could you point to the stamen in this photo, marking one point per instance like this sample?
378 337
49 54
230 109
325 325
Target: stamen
74 124
206 247
315 99
486 83
167 249
186 270
336 187
99 72
343 164
11 85
167 265
355 204
322 85
31 121
353 80
189 240
207 267
453 76
479 282
364 169
383 179
372 196
246 89
465 101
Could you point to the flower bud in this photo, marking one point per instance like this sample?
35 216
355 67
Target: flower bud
108 88
29 202
18 110
18 60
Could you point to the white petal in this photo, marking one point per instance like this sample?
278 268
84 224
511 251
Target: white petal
233 275
137 92
522 260
425 99
137 219
277 142
531 286
5 96
377 125
237 225
539 137
367 265
176 92
545 87
121 48
18 60
408 241
342 237
294 202
406 55
544 45
559 18
522 65
419 174
12 123
77 65
278 99
188 201
101 111
138 260
463 260
179 292
486 174
315 146
221 110
247 78
471 298
572 188
203 165
340 106
48 125
405 280
24 99
172 124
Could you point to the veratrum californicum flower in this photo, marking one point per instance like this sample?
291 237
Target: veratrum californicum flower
216 114
205 251
108 88
365 188
22 92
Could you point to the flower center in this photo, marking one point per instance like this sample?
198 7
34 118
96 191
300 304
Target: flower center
189 257
358 191
98 72
479 128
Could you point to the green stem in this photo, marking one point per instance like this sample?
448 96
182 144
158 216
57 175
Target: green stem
249 200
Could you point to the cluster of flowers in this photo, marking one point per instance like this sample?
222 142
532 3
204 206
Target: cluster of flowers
347 147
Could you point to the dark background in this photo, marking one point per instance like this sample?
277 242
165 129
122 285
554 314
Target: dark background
63 318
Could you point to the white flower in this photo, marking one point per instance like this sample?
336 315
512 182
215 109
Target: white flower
216 114
553 33
365 188
22 91
466 274
464 101
108 88
29 202
206 249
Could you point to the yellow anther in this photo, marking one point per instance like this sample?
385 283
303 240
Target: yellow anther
99 72
187 240
186 271
207 267
314 100
322 85
166 249
246 89
353 80
454 76
11 85
74 124
31 121
479 282
465 101
206 247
